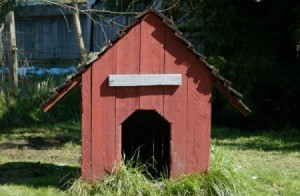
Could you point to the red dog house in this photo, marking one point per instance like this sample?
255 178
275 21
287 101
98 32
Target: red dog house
147 89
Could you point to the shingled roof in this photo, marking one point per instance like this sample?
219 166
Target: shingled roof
219 82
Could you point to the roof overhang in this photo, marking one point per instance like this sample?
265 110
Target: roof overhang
219 82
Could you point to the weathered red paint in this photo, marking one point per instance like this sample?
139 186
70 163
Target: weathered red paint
103 115
149 47
127 99
198 115
175 101
152 60
86 125
58 96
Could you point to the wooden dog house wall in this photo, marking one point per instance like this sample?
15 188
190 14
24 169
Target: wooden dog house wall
147 46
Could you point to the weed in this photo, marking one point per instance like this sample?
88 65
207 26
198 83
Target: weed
223 179
24 109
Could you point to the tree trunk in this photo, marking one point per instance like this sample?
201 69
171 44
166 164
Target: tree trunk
78 31
1 45
13 60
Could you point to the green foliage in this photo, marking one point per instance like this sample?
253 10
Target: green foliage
253 45
127 180
128 5
24 109
224 178
256 41
6 6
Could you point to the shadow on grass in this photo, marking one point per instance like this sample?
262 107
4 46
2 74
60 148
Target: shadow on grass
37 174
286 140
39 143
41 138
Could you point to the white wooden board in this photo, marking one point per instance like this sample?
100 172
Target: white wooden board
145 80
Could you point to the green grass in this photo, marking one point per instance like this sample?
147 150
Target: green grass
39 161
44 160
224 179
40 154
23 110
271 157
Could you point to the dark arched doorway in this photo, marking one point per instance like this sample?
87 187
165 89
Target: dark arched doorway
146 136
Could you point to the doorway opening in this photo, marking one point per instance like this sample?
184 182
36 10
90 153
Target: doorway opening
146 138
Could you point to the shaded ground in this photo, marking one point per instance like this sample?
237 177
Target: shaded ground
40 158
39 161
36 174
266 140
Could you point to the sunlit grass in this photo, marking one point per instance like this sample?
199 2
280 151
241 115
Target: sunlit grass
264 162
271 157
19 190
224 178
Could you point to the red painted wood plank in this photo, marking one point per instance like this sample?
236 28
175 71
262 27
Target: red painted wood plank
152 60
86 125
175 101
238 104
48 105
103 115
127 99
198 115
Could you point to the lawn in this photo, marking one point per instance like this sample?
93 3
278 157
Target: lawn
271 158
39 161
42 160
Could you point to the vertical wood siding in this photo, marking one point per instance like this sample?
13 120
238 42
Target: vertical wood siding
175 101
86 124
150 48
198 115
127 99
152 61
103 115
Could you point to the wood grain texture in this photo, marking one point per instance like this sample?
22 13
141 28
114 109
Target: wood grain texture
198 115
175 101
48 105
127 99
152 60
237 103
123 80
103 115
86 125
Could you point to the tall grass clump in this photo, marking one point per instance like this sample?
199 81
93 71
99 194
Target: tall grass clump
23 108
127 180
224 178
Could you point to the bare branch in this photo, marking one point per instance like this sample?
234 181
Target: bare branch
78 31
171 7
66 20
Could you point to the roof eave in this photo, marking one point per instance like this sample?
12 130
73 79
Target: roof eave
219 82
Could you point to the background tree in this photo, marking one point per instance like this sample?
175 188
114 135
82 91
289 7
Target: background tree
6 6
252 42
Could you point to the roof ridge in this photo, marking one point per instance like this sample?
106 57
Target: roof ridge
226 84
